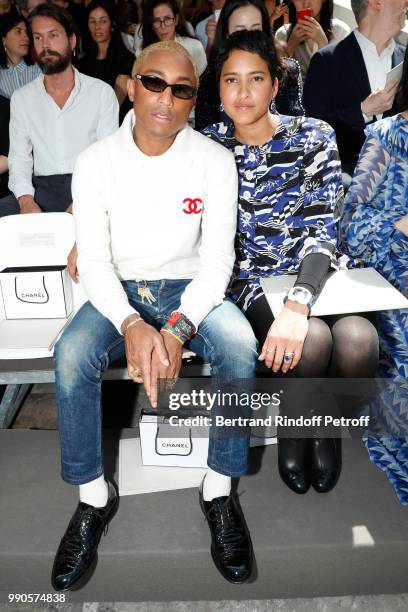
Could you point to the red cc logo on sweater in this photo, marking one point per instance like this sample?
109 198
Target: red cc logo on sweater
192 206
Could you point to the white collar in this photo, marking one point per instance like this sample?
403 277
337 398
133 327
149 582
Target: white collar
368 45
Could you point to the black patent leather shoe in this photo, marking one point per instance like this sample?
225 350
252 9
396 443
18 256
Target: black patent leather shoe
231 546
325 463
76 556
293 463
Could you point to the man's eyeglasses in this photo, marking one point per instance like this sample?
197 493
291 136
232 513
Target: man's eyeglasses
157 85
160 23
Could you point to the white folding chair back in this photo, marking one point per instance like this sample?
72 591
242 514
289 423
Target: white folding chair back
43 239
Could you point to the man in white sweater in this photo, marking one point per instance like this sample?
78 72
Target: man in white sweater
155 206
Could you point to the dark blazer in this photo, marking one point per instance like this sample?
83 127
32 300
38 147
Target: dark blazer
336 84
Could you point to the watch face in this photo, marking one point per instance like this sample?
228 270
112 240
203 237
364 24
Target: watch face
300 295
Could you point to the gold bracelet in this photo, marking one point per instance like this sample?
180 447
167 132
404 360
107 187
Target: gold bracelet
129 321
172 334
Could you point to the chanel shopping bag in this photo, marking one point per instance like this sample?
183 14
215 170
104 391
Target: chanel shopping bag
173 441
41 292
168 444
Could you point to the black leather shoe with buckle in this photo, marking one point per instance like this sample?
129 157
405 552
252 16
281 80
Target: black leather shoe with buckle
231 546
76 556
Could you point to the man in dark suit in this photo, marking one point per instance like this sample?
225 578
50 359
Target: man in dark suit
346 84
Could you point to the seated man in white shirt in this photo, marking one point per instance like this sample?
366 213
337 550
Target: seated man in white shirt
155 206
53 119
346 84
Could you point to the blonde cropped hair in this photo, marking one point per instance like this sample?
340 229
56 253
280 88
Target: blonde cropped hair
163 45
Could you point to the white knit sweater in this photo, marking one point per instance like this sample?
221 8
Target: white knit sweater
131 219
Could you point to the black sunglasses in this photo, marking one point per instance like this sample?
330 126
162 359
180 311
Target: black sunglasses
179 90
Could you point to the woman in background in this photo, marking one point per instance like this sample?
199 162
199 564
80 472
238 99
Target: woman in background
106 57
375 230
245 15
16 68
305 35
163 20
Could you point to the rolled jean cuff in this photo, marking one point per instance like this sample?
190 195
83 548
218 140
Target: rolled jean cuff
80 480
234 462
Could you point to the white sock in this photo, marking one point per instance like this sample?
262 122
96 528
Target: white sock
215 485
94 493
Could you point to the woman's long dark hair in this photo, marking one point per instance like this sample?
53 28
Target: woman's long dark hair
229 7
401 99
149 35
326 16
116 44
9 21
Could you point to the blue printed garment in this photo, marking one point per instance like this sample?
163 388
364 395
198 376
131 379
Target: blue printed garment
378 197
290 197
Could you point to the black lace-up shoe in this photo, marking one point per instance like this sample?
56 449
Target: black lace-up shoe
231 546
76 556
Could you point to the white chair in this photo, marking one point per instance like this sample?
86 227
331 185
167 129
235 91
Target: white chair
36 240
29 240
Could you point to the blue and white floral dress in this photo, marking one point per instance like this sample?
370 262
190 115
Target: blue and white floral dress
378 197
290 199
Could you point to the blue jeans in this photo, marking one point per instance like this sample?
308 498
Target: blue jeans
91 342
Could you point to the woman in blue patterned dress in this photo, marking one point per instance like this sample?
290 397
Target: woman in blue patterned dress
289 193
375 229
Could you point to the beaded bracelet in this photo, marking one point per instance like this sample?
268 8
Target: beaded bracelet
180 326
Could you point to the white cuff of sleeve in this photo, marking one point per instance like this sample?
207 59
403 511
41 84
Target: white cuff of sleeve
366 118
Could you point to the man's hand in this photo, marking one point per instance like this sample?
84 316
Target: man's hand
297 36
69 209
380 101
72 264
402 225
28 204
161 376
286 335
142 341
314 31
210 31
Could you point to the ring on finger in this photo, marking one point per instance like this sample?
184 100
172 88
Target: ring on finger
270 351
171 382
137 373
288 357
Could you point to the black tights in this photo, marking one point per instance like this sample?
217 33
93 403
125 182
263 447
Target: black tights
337 346
341 346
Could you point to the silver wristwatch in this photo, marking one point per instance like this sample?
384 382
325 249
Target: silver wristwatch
301 296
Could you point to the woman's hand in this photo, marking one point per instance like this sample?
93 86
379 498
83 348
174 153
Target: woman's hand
297 36
210 29
121 87
402 225
286 336
279 11
314 31
3 164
